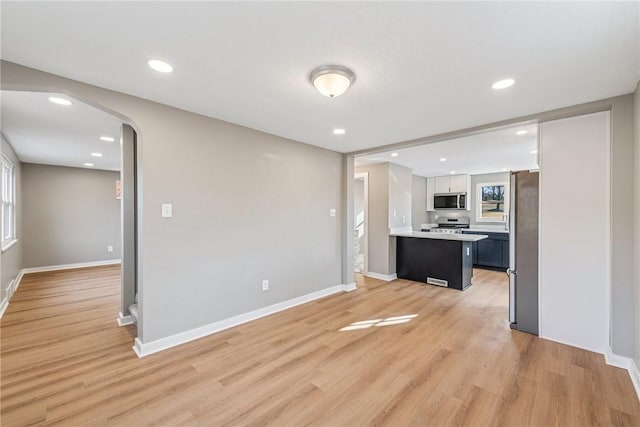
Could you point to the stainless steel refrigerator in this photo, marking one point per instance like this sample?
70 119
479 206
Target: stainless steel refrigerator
523 251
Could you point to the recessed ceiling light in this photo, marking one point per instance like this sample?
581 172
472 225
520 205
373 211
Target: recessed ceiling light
452 172
443 159
88 164
394 154
504 169
59 101
534 151
160 66
96 154
522 132
503 84
107 138
339 131
332 80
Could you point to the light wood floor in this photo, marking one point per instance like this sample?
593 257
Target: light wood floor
64 361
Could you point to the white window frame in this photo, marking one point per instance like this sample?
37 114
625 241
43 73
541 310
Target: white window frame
8 195
505 210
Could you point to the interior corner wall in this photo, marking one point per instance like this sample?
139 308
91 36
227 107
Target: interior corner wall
247 206
635 330
71 215
378 247
622 340
418 202
11 260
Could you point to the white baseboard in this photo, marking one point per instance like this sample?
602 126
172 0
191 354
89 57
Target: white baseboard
634 373
627 363
3 305
385 277
124 320
350 287
70 266
145 349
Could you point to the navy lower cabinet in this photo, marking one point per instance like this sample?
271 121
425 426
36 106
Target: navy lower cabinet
492 252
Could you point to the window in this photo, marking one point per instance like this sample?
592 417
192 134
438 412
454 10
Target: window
8 203
492 202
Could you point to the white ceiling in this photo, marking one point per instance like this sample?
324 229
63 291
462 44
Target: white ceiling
43 132
423 68
496 151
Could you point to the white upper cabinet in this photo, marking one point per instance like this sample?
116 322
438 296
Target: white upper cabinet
452 184
448 184
458 183
442 184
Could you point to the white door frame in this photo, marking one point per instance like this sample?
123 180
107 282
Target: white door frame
365 177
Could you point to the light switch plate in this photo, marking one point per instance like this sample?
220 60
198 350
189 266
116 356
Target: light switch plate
332 212
167 210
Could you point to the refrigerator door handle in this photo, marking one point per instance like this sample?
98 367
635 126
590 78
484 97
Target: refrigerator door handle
510 272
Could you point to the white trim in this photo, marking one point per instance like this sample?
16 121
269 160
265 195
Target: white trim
144 349
3 305
124 320
478 200
70 266
616 360
349 287
8 245
627 363
385 277
634 373
365 178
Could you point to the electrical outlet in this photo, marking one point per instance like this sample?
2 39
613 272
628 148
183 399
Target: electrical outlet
395 213
265 285
404 219
110 248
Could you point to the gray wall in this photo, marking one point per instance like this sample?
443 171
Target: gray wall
635 330
70 215
418 202
11 259
622 339
378 248
475 180
247 206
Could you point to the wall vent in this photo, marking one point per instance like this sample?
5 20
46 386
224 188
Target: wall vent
437 282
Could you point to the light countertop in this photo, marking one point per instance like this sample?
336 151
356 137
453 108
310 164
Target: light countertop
440 236
488 229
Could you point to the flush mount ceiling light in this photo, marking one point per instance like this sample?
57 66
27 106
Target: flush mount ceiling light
160 66
443 159
339 131
332 80
503 84
394 154
107 138
522 132
59 101
452 172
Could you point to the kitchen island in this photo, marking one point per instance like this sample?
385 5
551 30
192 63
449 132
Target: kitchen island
435 258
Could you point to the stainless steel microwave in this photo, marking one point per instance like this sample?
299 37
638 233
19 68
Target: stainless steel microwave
450 201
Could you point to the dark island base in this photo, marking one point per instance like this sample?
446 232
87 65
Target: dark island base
420 259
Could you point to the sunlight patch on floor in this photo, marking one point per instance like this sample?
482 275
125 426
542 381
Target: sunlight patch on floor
388 321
